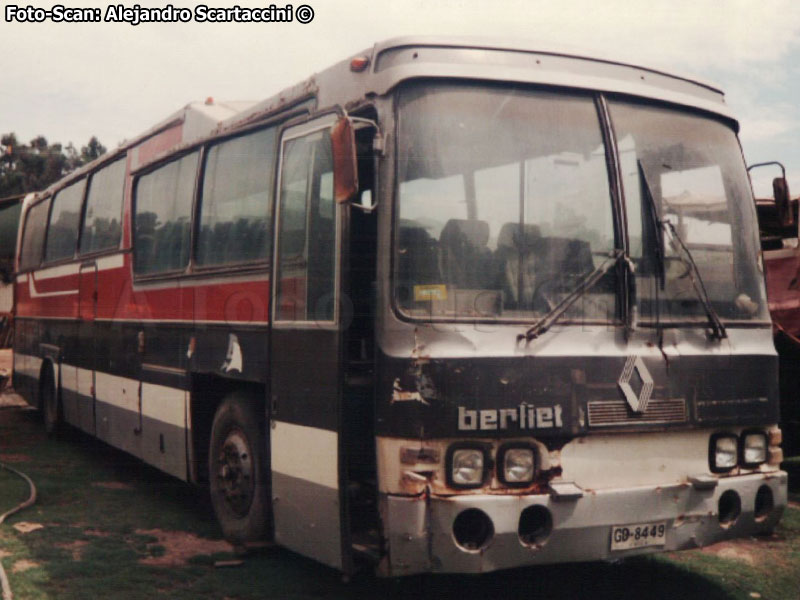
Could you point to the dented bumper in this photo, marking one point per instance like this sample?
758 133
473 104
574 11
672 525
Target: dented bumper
421 538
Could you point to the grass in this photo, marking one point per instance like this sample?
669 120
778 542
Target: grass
99 508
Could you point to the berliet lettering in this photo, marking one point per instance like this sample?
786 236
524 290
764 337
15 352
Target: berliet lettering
525 416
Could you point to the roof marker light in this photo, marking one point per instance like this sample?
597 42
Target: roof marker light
359 63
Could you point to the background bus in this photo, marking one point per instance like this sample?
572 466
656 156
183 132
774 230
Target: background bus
440 307
778 228
10 209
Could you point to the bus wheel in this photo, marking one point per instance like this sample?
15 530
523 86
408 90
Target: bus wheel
51 407
236 469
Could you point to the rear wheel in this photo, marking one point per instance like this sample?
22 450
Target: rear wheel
236 469
50 405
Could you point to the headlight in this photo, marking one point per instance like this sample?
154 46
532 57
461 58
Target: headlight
517 465
467 467
754 448
723 452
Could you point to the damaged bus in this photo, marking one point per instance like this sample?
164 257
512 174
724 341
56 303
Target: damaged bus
442 307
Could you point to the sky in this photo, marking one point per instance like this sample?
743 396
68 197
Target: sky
69 81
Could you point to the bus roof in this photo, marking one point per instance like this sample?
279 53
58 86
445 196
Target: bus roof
396 60
194 121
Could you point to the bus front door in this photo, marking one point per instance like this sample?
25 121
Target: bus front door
305 355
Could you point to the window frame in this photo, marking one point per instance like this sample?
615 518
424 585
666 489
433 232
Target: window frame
172 273
245 265
317 122
123 157
54 196
25 226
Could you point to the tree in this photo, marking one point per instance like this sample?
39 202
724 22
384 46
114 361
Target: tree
32 167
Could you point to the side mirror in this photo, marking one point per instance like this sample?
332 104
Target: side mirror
345 164
780 190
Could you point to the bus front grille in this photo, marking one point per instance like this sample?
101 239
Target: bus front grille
605 413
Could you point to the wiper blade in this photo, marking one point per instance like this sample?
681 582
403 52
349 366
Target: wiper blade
655 222
564 305
717 328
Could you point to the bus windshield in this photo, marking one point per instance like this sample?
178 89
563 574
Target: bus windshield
504 208
504 203
685 185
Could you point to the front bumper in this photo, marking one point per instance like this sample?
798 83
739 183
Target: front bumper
420 535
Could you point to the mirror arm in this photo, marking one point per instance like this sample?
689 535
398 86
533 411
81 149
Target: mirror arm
771 162
378 151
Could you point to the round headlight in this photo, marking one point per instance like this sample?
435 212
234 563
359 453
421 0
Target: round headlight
754 449
518 465
467 467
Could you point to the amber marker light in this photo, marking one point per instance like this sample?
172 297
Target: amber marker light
359 63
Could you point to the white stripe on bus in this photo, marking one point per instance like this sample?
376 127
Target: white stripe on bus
26 364
59 271
159 402
104 263
34 294
305 453
121 392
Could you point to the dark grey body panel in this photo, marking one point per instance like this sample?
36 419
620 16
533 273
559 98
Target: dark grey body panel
697 383
113 348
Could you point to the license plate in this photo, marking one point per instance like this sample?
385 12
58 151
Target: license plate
640 535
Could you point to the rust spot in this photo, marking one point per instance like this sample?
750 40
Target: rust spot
412 485
412 456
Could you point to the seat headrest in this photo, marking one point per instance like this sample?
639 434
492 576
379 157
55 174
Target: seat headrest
509 236
476 232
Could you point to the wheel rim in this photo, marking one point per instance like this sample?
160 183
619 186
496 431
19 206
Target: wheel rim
235 473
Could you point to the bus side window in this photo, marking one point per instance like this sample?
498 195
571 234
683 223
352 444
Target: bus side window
163 216
62 231
102 221
33 236
235 205
307 231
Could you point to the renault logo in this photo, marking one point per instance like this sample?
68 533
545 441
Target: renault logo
637 402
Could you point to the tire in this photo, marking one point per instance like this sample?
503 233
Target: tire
237 470
50 405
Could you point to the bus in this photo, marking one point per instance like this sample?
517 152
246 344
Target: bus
446 306
10 208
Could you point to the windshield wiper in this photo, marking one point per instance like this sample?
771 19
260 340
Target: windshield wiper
717 328
563 306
